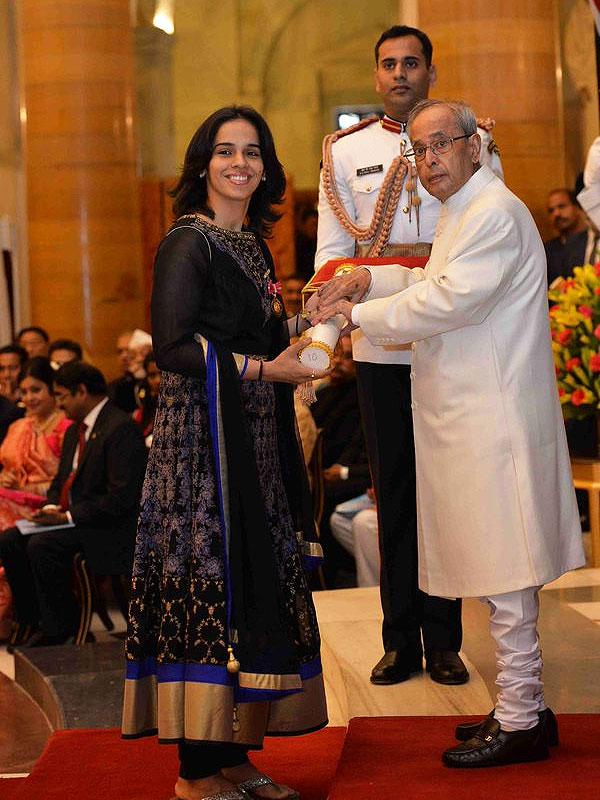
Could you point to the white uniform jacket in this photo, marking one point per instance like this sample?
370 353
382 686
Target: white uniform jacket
496 505
375 147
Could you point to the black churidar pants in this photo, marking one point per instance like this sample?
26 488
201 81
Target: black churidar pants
385 403
205 759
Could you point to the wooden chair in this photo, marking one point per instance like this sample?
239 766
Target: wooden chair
91 590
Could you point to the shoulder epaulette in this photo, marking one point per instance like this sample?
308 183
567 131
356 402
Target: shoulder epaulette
363 123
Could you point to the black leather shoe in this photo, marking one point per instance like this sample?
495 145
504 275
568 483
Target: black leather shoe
493 747
446 666
468 729
396 666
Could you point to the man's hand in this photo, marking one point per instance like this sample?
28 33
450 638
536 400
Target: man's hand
343 307
49 515
353 286
332 474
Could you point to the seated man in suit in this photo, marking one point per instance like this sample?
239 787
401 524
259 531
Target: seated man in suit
97 488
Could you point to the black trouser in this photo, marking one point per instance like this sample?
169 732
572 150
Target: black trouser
38 569
385 398
205 759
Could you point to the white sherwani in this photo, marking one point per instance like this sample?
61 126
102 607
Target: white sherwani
496 505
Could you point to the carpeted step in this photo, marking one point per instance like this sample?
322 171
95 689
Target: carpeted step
99 765
9 788
399 758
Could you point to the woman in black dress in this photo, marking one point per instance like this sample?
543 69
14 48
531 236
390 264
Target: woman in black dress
223 644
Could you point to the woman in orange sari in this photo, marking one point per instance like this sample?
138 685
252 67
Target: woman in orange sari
29 457
31 450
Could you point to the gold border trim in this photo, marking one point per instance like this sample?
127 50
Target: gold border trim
319 346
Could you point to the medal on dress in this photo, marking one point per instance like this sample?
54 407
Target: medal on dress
274 288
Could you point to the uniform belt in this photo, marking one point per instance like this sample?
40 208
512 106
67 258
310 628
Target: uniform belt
416 250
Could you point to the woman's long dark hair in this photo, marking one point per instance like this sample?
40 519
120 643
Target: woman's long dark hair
191 194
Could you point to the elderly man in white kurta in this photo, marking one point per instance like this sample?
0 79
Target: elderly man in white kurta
497 516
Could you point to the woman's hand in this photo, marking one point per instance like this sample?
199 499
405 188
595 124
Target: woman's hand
287 369
8 479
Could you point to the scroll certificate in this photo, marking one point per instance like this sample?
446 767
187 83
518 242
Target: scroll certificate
319 353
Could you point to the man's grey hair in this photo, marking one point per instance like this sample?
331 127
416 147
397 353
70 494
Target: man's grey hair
465 118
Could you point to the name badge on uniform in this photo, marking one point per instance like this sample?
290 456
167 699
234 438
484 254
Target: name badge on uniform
369 170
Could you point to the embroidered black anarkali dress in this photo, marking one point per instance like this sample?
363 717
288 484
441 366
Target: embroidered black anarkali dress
225 528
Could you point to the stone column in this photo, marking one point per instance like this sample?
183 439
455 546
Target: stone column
82 185
503 59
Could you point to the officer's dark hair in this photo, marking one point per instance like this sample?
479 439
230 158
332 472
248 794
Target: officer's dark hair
75 373
14 349
191 192
66 344
34 329
570 194
397 32
38 367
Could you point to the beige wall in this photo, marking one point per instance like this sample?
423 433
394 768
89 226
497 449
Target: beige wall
292 60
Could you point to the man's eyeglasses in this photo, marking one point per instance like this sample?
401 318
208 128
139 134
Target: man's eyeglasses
437 148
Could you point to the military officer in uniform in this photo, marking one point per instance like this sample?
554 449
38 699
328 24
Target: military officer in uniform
371 204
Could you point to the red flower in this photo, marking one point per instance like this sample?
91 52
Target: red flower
561 391
597 268
586 311
564 337
578 397
597 291
597 332
569 283
572 363
595 362
556 308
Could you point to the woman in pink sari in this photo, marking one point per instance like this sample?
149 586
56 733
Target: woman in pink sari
29 456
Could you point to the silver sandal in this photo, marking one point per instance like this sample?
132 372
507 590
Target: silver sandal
230 794
262 780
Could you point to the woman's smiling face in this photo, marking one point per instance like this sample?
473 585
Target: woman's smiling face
236 167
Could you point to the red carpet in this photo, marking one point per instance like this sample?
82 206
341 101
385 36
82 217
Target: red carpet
398 758
99 765
9 787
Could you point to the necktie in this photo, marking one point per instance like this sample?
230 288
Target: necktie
65 492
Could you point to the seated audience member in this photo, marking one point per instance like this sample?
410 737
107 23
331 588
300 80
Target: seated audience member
31 450
574 242
34 340
12 358
61 351
306 243
97 488
354 525
346 469
291 291
148 397
124 390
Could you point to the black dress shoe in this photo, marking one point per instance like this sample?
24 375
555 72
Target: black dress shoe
446 666
466 730
493 747
396 666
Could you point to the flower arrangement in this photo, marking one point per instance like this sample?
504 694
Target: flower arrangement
575 327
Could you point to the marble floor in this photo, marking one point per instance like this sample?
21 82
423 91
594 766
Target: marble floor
350 621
